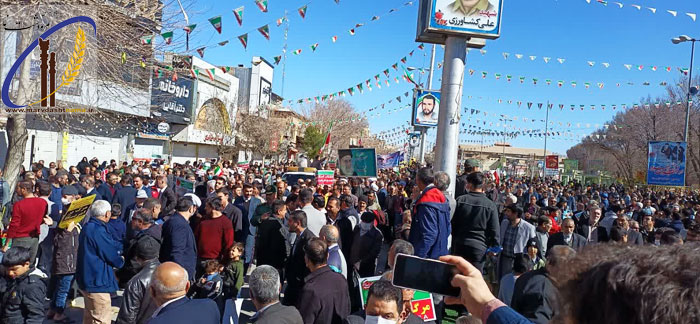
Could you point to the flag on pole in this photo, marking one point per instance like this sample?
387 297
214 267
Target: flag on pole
302 12
218 171
188 29
216 22
265 31
238 12
328 139
277 59
262 5
244 40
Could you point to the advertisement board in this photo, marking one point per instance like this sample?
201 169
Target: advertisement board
468 18
172 100
426 108
666 163
357 162
551 165
421 305
570 165
388 161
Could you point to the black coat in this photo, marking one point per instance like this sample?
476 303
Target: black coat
634 238
278 314
125 196
65 251
168 200
179 245
137 303
475 225
535 296
296 269
236 216
345 232
577 241
583 226
131 266
365 250
272 247
324 298
22 299
186 311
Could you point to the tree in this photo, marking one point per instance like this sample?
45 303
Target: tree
314 140
257 134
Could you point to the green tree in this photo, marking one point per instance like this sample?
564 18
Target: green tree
314 139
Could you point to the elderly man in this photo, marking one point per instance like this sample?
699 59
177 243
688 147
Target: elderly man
442 182
589 226
169 286
566 237
137 303
97 256
265 291
336 259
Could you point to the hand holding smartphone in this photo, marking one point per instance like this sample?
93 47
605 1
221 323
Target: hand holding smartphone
429 275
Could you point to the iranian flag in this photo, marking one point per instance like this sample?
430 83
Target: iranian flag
334 38
210 73
352 32
238 12
244 40
200 51
313 47
262 5
145 40
265 31
409 77
302 12
216 22
297 52
168 37
280 21
328 139
218 171
277 59
188 29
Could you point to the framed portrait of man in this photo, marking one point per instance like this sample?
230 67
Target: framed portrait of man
426 108
357 162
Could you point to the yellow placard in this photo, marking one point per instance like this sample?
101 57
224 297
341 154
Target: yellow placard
76 211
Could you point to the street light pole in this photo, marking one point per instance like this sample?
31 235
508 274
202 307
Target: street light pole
546 133
423 130
690 81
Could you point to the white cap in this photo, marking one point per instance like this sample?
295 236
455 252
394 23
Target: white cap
146 171
374 187
141 194
197 202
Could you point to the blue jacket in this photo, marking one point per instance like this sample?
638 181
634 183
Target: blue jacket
125 197
97 256
106 194
57 206
186 311
430 226
178 244
506 315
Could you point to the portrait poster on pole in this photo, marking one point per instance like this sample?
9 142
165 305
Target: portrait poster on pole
426 108
357 162
388 161
468 18
666 163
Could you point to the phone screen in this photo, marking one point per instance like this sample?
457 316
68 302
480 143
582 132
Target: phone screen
424 274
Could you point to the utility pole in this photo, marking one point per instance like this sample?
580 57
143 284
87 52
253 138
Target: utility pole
546 132
284 51
448 119
423 130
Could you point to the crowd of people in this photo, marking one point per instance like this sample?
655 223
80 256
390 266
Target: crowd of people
182 240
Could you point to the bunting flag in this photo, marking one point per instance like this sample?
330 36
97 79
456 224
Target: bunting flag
280 21
200 51
334 38
375 18
403 60
225 69
223 43
302 12
216 22
277 59
244 40
262 5
188 29
210 73
352 32
238 12
297 52
313 47
265 31
145 40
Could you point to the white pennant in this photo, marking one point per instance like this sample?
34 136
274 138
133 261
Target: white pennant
483 52
606 65
653 10
519 56
505 55
561 60
591 63
546 59
532 58
628 66
674 13
637 6
619 4
691 15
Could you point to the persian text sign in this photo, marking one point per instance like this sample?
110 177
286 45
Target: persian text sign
421 304
76 211
325 177
470 18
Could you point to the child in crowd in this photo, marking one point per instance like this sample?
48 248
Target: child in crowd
117 227
232 271
22 289
210 284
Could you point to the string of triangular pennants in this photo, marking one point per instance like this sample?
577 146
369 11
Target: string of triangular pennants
559 83
361 116
590 63
506 119
561 106
652 10
367 84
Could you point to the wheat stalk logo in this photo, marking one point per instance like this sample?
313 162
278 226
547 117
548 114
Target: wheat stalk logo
74 64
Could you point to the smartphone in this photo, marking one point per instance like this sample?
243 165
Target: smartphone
429 275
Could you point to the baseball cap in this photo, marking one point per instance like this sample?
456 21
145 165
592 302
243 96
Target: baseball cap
270 189
532 242
471 163
141 194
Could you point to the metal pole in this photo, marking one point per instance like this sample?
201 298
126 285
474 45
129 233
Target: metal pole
284 51
687 102
448 118
430 86
546 131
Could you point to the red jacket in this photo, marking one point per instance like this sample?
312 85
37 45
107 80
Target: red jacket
214 236
27 215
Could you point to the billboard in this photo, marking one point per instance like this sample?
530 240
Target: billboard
426 108
470 18
570 165
388 161
666 163
357 162
172 100
551 165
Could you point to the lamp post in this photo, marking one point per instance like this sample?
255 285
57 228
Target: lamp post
678 40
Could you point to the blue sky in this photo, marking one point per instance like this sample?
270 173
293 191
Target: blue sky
570 29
